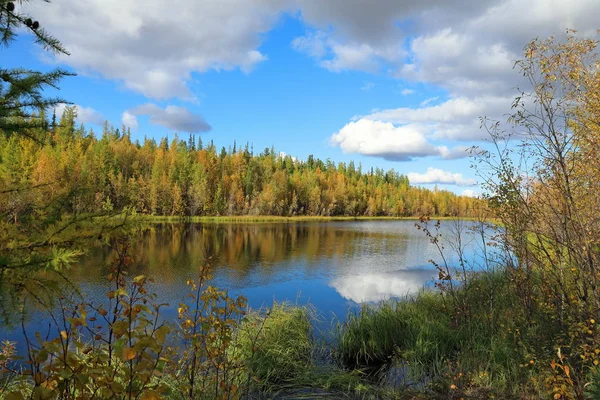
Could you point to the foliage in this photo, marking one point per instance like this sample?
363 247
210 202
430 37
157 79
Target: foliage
544 191
40 230
185 179
114 349
206 359
21 90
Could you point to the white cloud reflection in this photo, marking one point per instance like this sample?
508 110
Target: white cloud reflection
380 286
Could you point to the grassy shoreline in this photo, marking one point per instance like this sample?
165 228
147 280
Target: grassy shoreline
279 219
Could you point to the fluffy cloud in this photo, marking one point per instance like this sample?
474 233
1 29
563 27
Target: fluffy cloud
174 118
85 115
467 48
438 176
129 120
407 92
395 143
153 46
402 134
468 45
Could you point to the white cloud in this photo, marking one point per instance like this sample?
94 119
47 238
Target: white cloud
469 193
383 139
461 45
438 176
176 118
467 48
337 56
85 115
153 46
455 119
407 92
403 134
129 120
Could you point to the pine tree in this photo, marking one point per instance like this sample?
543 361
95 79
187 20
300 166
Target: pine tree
44 222
21 90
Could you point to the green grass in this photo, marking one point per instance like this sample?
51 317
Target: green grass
277 347
478 356
284 359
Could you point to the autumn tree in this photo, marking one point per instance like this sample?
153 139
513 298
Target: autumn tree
542 182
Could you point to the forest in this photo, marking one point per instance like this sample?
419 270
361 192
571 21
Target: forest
110 171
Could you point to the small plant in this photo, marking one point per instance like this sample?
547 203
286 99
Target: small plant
113 350
206 361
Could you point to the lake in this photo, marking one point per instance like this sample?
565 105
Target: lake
332 265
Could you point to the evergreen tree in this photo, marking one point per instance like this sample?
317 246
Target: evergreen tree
21 90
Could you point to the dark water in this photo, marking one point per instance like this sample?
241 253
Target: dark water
332 265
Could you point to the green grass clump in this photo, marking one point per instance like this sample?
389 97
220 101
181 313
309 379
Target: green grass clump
283 358
372 337
277 347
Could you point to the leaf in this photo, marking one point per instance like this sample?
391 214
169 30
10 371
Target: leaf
14 396
161 333
150 395
128 353
63 335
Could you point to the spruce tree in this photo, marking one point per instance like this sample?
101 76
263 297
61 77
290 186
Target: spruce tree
21 89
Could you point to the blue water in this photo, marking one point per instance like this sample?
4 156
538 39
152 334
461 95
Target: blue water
334 266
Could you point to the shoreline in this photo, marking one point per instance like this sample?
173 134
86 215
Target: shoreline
281 219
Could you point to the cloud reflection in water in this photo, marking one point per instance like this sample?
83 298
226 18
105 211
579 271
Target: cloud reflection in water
380 286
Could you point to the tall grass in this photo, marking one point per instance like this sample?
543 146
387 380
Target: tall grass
277 346
282 357
480 354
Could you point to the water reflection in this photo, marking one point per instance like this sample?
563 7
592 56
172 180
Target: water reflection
377 287
333 265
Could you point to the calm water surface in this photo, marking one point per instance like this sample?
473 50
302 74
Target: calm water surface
332 265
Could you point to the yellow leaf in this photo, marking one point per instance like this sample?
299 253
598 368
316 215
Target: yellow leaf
128 353
63 335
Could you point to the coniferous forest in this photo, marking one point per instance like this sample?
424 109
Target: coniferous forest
109 171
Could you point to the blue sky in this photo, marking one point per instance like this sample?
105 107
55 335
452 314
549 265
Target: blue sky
386 83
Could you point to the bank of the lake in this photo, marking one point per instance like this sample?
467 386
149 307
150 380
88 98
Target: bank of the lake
284 219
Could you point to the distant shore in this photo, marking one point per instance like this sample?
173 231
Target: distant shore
281 219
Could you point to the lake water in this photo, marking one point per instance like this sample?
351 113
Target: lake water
332 265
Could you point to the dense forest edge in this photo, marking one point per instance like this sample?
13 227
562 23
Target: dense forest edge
186 178
521 321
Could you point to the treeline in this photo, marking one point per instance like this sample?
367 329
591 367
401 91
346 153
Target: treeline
188 178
